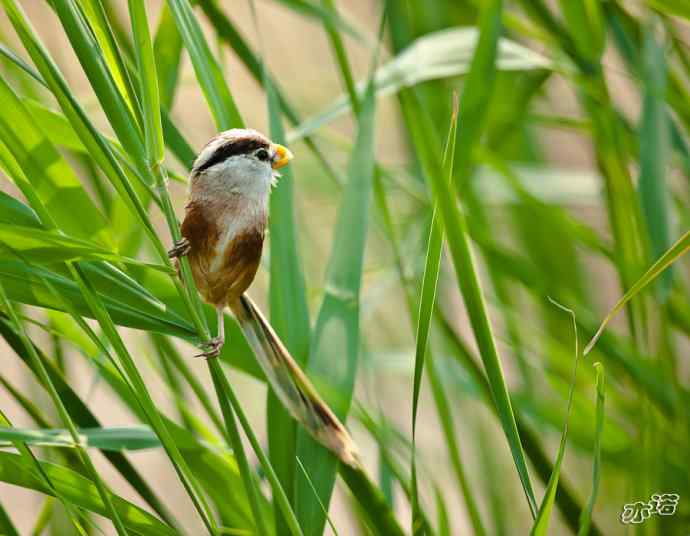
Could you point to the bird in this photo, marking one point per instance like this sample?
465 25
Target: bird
222 235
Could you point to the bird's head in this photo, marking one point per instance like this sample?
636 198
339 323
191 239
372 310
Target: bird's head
240 160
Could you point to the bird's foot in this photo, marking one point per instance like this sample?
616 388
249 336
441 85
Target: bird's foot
212 348
180 249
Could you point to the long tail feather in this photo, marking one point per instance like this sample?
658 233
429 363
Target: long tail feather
291 385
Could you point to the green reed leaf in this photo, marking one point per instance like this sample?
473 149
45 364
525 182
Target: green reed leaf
79 491
586 516
337 331
206 67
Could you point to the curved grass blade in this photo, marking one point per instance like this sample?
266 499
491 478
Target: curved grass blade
50 247
337 326
97 146
94 63
79 491
379 514
654 139
148 83
206 67
130 304
6 526
666 260
288 307
432 267
167 47
279 495
17 213
46 177
142 393
586 516
541 524
30 459
456 228
437 55
234 439
65 417
116 439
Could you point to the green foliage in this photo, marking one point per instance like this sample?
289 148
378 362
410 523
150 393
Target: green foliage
93 148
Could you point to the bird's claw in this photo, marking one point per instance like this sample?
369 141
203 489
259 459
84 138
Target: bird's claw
212 348
180 249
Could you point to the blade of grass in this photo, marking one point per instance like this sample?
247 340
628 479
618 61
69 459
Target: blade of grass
79 491
323 508
374 505
446 417
28 457
6 526
48 178
94 12
167 46
111 439
142 394
16 212
84 418
438 55
654 134
155 146
586 516
337 326
45 516
427 298
661 264
288 307
541 524
206 67
443 521
279 495
93 61
455 226
85 459
148 83
234 439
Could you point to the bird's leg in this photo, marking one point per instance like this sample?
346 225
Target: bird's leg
215 345
180 249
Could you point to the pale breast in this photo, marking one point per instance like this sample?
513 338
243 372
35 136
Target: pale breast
247 216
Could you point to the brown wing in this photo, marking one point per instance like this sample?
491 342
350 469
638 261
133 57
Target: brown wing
241 260
203 234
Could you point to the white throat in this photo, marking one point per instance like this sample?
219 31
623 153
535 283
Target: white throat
239 188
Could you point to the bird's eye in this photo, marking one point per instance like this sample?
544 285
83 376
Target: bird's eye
262 154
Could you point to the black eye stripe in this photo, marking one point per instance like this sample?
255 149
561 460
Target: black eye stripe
235 147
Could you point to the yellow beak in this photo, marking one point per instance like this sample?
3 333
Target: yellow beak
281 156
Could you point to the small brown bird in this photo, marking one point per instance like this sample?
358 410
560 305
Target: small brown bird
223 234
226 216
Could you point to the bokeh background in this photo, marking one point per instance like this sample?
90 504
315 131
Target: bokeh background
582 150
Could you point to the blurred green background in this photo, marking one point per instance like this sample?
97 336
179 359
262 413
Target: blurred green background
564 179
